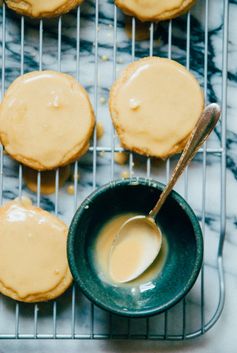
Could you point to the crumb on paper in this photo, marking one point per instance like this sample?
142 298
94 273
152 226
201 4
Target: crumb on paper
104 57
102 153
102 100
124 174
99 130
121 158
71 189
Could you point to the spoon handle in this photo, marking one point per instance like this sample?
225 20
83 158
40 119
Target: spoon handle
202 130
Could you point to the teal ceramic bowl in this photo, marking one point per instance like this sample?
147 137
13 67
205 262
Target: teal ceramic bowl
184 248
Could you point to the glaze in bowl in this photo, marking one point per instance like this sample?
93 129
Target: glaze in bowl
182 232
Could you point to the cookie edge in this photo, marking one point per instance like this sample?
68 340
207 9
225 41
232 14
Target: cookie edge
61 10
167 15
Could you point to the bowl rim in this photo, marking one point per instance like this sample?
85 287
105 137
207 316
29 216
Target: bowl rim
197 232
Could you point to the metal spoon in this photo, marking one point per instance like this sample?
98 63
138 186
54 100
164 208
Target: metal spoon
151 236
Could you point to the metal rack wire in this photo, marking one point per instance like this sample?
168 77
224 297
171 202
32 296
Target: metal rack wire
131 328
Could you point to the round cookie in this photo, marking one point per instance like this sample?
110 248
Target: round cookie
33 259
46 120
154 10
42 8
154 106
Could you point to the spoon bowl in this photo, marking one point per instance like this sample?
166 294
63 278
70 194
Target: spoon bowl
138 242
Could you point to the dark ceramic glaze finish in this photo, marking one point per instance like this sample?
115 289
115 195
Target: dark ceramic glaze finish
181 229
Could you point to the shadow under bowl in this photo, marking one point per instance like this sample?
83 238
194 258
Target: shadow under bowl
179 226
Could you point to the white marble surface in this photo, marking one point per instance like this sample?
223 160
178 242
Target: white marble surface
222 338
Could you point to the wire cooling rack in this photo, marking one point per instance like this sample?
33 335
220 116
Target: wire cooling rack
72 315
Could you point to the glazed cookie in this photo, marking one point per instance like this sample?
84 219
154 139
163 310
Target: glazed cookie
33 259
42 8
155 10
46 120
154 106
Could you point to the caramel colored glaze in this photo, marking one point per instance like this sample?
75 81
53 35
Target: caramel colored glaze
155 105
142 29
42 8
46 120
126 259
47 179
153 10
132 249
121 157
33 261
